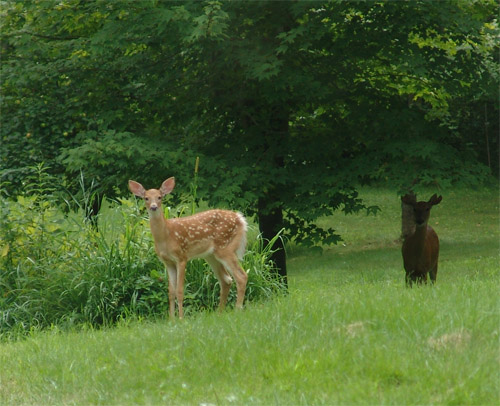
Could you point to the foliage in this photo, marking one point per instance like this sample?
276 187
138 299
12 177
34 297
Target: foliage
57 269
290 105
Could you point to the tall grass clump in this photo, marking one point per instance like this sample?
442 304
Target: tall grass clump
57 268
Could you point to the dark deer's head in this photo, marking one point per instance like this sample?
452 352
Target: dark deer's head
421 210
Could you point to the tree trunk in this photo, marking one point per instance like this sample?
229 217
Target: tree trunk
93 210
407 221
270 224
270 205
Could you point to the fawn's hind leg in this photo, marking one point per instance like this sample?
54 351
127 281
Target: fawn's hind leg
232 265
224 279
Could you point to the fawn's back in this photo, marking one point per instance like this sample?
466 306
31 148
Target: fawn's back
203 234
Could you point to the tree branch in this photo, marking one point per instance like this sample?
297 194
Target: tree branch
50 37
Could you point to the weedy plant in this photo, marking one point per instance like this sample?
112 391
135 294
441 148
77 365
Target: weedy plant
57 269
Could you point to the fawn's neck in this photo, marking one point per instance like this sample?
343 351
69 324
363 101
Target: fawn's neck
158 225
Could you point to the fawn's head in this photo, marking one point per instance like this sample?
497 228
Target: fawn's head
421 210
152 197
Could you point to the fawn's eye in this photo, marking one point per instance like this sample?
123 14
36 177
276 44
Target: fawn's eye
147 199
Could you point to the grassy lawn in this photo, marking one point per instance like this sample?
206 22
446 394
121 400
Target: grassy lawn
349 332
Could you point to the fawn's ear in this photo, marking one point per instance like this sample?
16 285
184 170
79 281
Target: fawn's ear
167 186
136 188
435 199
409 198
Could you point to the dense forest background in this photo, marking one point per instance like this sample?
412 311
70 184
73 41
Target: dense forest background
290 106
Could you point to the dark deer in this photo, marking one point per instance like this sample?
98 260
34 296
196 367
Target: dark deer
420 247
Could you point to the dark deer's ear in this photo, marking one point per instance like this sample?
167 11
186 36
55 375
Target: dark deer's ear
409 198
435 199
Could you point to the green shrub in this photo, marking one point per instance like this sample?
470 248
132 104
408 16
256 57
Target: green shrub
56 269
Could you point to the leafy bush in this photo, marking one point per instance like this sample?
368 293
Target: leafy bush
57 269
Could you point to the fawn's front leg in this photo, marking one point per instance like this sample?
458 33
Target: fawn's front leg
172 288
181 273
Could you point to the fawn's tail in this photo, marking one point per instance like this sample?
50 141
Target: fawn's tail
243 243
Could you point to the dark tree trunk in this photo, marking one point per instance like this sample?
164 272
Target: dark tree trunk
271 123
270 206
93 210
270 224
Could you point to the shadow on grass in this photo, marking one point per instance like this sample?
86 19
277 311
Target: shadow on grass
382 261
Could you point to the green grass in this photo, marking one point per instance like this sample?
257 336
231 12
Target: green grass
349 332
